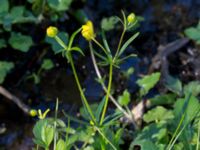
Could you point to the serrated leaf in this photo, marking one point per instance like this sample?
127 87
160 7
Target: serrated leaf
124 99
158 114
47 64
20 42
108 23
5 68
148 82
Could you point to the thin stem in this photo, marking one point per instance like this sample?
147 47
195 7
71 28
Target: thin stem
55 124
104 87
176 131
120 42
198 136
37 147
80 89
175 139
100 46
108 92
61 42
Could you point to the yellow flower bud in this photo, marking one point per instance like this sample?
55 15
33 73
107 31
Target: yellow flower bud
52 31
88 31
131 18
33 112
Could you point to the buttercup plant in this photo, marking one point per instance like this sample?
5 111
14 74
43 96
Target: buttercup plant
98 121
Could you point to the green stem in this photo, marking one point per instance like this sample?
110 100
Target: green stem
55 124
176 132
85 102
61 42
198 136
120 42
108 93
100 46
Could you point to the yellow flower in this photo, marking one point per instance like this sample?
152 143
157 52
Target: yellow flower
88 31
131 18
52 31
42 115
33 112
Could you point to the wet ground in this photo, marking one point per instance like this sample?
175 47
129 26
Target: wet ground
165 21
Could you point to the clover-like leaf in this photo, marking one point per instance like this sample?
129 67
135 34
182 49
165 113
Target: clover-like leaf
20 42
47 64
158 114
124 99
148 82
108 23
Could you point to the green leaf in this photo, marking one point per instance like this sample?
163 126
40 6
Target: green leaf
189 106
37 132
4 6
61 145
5 68
192 87
127 43
54 44
164 99
193 33
2 43
20 42
173 84
124 99
108 23
158 114
148 82
99 109
144 145
49 134
78 50
47 64
154 132
17 12
59 5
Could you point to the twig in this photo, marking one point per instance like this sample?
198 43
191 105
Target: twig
15 99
